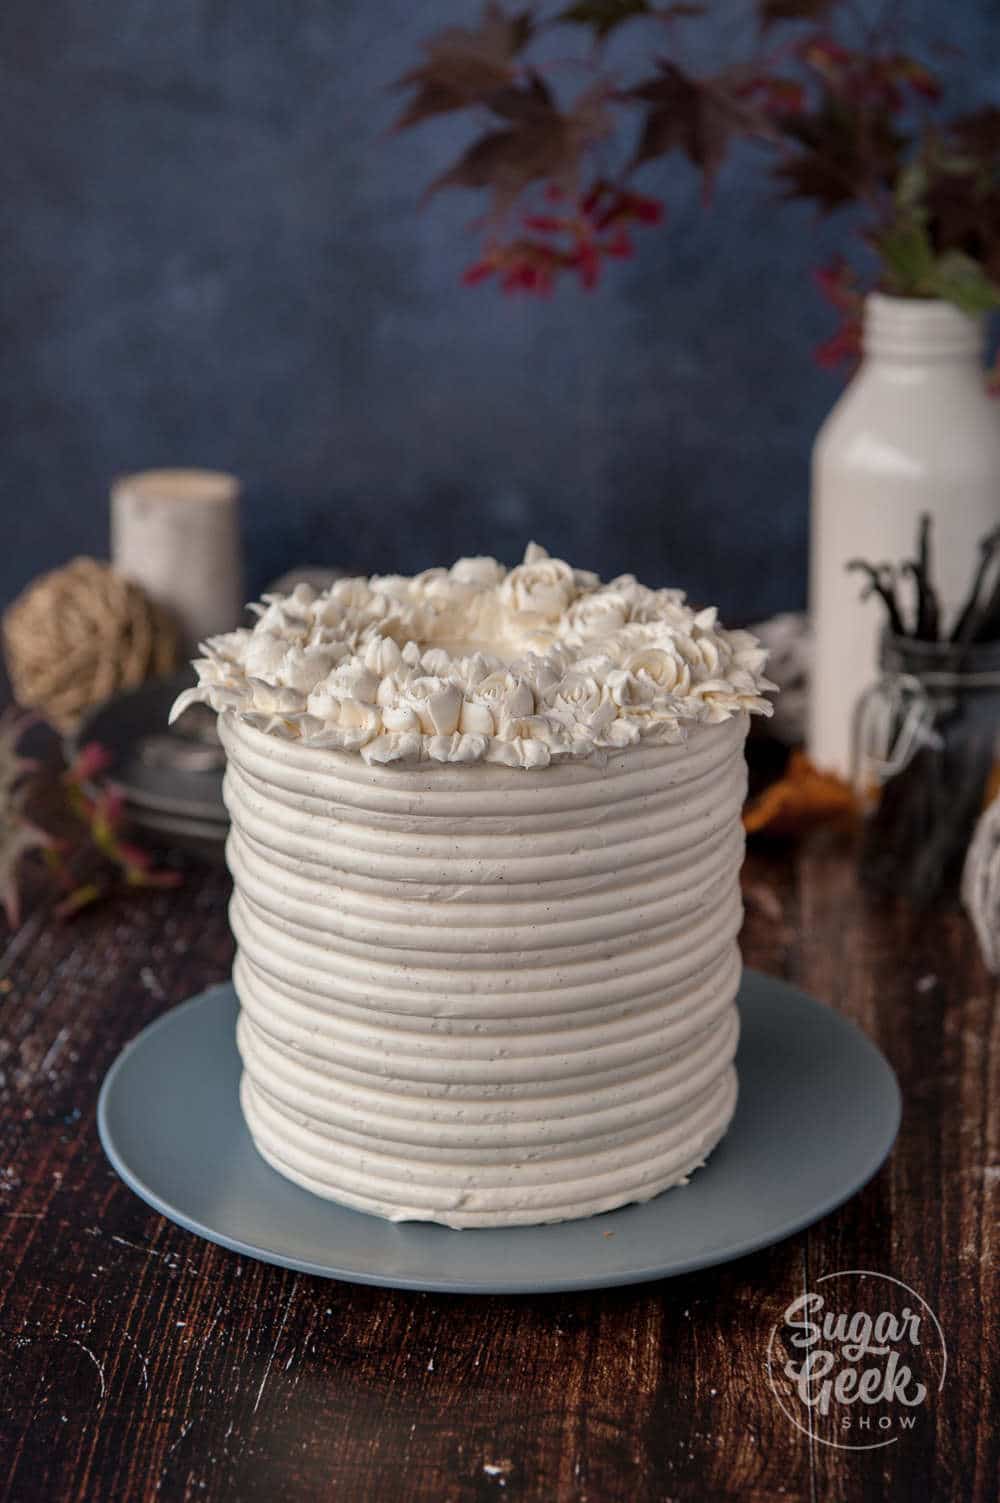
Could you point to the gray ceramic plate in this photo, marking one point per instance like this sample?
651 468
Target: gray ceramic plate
818 1112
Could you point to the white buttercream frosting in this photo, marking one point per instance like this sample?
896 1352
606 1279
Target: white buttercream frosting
522 667
484 996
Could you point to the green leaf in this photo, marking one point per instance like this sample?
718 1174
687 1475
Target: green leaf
911 191
963 281
603 16
909 259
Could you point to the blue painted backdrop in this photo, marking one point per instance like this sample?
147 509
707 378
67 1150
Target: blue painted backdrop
214 255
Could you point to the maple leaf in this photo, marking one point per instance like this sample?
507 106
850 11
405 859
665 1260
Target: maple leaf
978 133
963 215
841 287
773 12
540 143
916 75
963 193
466 65
696 116
843 155
810 176
603 16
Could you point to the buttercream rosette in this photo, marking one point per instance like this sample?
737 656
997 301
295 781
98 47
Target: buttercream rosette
477 663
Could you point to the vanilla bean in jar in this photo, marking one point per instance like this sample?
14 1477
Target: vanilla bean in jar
926 736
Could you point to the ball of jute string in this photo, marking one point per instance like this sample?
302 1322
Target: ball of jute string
80 634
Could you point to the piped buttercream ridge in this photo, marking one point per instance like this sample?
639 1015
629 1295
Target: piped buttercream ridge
481 995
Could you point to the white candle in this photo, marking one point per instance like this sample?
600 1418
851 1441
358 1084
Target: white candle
176 533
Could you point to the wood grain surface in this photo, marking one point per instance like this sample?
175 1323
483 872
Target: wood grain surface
137 1362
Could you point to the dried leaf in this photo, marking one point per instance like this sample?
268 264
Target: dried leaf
804 797
17 836
81 897
13 767
466 65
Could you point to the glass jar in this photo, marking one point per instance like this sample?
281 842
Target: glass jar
925 742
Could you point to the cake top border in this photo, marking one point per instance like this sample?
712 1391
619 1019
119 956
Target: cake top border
478 663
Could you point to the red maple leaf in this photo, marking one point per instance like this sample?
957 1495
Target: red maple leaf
698 116
839 154
540 143
466 65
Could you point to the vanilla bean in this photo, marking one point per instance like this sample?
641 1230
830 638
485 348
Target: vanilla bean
987 623
916 839
967 628
988 628
928 613
881 582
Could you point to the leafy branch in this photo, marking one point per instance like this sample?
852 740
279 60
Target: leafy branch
82 838
847 118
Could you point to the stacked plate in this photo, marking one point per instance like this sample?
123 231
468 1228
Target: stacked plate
170 776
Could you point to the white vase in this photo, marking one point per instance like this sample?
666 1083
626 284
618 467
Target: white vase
915 431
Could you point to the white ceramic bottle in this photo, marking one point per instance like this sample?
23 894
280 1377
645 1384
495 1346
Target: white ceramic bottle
916 431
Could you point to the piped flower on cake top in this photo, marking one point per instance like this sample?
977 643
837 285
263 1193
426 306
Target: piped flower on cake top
517 667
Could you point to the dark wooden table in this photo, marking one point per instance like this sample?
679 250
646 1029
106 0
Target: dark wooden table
137 1362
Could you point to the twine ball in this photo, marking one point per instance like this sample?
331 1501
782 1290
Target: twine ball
80 634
